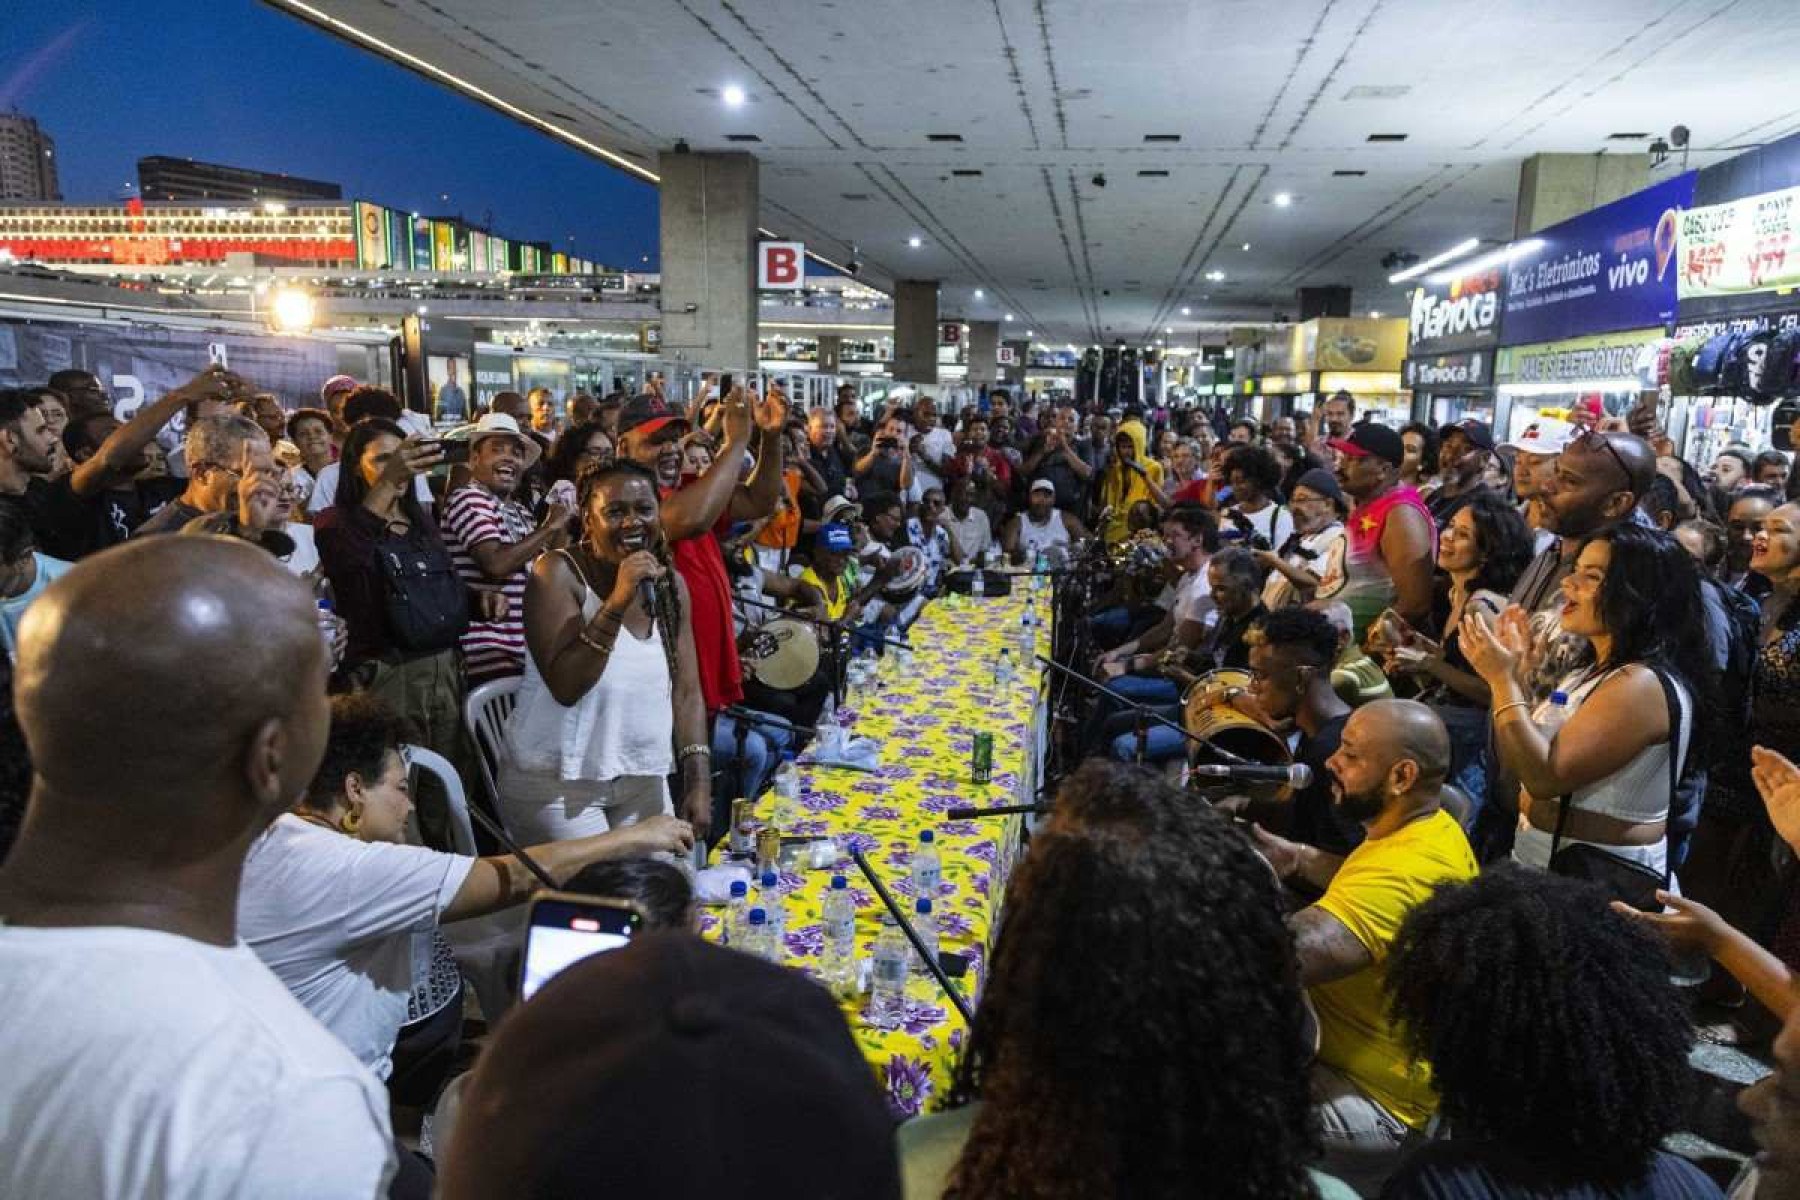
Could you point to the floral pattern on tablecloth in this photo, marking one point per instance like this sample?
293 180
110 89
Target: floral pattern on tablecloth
925 721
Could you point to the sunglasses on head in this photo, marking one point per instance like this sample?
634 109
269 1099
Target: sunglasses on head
1593 437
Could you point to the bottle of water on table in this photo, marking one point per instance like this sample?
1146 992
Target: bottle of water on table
787 791
1003 671
840 937
737 913
768 898
893 960
978 581
756 934
1027 637
927 867
926 924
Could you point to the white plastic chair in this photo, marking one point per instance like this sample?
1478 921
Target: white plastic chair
462 833
485 712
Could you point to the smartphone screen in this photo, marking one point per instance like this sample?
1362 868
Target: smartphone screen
564 928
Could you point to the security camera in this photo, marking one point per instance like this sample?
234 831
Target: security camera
1099 179
854 267
1678 136
681 146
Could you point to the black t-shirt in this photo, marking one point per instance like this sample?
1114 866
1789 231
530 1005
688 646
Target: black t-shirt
1476 1170
1071 489
71 527
833 470
1317 821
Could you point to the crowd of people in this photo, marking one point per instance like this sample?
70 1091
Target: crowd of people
1545 690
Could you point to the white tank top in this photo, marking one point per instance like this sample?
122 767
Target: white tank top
1639 790
623 725
1034 538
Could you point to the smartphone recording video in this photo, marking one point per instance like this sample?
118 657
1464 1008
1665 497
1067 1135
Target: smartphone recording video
564 928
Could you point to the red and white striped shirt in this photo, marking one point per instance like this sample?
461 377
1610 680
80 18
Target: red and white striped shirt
473 515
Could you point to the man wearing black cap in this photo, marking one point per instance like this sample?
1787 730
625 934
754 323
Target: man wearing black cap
1463 453
1309 566
673 1068
1393 541
650 431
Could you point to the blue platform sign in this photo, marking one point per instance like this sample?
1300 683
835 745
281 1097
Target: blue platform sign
1612 268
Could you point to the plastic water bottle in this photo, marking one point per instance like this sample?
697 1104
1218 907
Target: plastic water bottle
1039 565
737 913
840 936
926 924
1027 638
787 791
1556 715
756 934
893 961
927 867
1003 671
768 898
978 583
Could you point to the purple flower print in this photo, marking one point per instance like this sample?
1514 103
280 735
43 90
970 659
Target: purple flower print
908 1083
954 923
881 812
920 1018
808 941
819 802
859 841
941 802
982 850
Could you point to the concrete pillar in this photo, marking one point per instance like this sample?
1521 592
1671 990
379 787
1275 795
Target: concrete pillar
982 352
831 353
1014 376
709 216
1555 187
915 331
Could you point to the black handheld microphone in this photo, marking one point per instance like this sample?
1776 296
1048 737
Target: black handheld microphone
1294 775
646 593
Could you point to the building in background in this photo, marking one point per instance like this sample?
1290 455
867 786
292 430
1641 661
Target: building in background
161 178
27 160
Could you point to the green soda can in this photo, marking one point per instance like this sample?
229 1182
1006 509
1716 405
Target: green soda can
981 768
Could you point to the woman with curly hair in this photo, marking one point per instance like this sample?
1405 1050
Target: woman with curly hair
1142 1032
1556 1041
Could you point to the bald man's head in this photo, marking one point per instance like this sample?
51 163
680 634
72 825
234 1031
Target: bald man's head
1391 752
173 683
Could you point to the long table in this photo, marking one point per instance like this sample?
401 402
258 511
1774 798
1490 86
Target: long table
925 720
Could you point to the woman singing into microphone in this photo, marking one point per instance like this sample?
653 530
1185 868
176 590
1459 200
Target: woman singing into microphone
611 687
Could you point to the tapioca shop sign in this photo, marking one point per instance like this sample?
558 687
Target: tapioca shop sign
1632 358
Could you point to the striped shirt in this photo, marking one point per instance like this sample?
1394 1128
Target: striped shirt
473 515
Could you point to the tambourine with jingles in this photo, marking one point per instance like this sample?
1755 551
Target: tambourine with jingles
913 567
781 654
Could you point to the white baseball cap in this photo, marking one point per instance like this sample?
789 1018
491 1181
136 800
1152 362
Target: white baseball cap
1546 435
1043 485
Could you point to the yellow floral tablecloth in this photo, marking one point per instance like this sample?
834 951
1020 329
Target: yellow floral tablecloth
925 719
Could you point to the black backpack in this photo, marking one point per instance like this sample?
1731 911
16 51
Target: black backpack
1781 369
1722 728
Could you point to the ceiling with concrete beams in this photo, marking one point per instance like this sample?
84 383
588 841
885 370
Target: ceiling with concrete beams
851 105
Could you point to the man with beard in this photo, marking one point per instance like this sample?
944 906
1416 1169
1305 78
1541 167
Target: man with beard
1369 1094
493 541
696 507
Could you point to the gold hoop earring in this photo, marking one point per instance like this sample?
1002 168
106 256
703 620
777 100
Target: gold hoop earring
351 823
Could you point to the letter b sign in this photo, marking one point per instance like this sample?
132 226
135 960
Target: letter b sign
781 266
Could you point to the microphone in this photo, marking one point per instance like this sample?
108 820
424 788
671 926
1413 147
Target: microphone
1295 775
646 595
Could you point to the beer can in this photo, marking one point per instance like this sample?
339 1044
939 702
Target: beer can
743 828
981 768
768 849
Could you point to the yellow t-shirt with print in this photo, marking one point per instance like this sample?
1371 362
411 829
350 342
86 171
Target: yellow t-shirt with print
834 608
1379 884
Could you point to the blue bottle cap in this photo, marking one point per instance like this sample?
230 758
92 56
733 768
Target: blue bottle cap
787 756
926 836
758 917
839 883
1559 697
768 879
923 907
739 888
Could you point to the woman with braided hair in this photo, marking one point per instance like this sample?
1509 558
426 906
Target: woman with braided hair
610 703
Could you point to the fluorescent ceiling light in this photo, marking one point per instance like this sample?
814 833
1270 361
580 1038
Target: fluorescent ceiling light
979 293
1487 261
733 95
1283 199
915 241
1437 260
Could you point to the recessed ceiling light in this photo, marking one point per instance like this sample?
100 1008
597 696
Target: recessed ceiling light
1283 199
1246 247
979 293
1374 315
1216 276
915 241
1187 312
1008 316
733 95
1170 329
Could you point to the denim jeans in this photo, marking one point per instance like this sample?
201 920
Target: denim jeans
763 745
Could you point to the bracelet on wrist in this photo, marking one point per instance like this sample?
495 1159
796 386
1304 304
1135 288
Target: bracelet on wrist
1503 709
694 750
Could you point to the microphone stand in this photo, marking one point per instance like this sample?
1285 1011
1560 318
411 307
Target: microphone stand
998 810
1145 714
912 935
513 848
800 616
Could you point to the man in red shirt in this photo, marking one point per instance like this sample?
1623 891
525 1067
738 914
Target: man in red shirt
985 467
694 507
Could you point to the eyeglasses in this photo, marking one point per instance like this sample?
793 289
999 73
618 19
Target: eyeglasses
1589 437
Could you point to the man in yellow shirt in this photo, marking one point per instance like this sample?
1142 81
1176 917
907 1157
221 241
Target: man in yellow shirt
1368 1091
